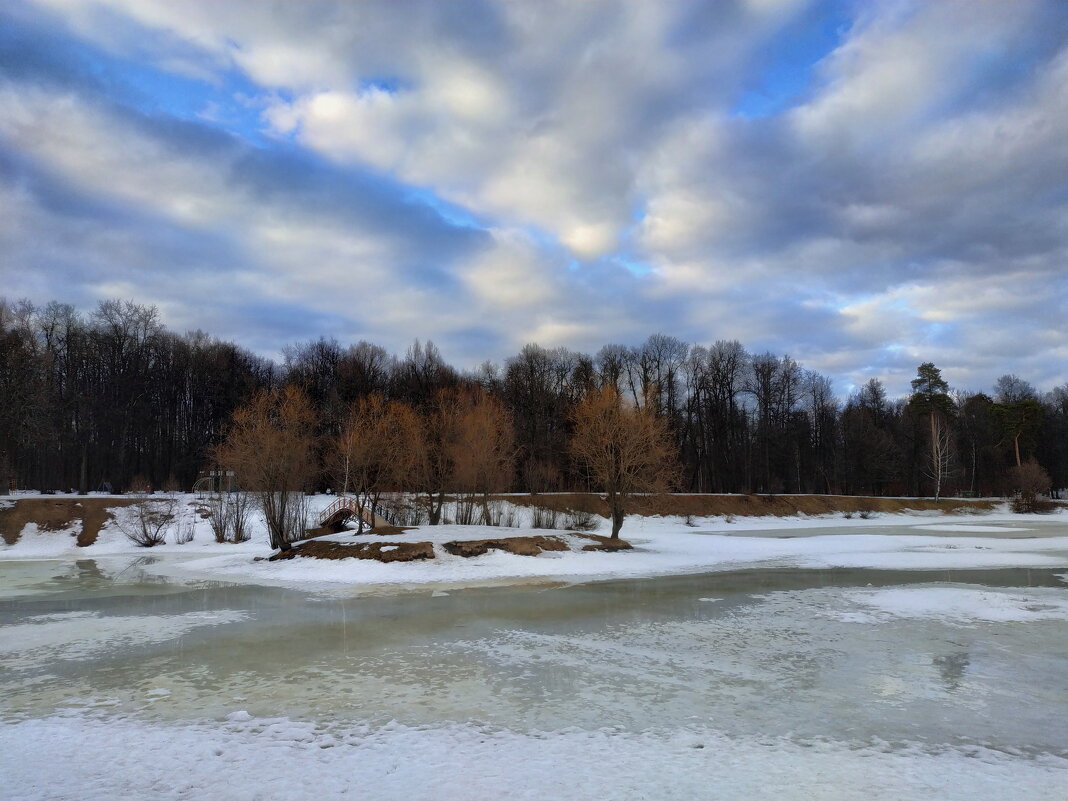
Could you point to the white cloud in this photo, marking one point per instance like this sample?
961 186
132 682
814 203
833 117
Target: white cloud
913 194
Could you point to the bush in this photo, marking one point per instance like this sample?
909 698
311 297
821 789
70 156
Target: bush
497 513
543 517
186 529
148 524
229 513
1031 482
578 520
139 485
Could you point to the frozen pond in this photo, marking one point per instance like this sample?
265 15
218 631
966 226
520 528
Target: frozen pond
959 677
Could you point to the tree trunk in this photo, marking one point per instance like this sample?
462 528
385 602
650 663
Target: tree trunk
617 519
437 500
83 475
934 454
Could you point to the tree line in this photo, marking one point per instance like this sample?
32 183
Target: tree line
97 400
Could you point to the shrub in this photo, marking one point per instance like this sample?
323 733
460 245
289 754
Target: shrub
229 513
139 485
186 529
147 525
543 517
1031 482
579 520
497 513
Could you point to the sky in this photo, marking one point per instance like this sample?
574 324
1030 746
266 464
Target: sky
862 186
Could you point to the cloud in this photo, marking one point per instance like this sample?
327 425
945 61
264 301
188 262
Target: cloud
572 173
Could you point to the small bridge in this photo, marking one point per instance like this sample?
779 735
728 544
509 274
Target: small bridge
344 509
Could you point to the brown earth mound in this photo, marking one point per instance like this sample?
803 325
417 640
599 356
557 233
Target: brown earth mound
604 543
380 551
521 546
56 514
750 505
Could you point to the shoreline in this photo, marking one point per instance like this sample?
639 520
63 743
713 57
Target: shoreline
663 547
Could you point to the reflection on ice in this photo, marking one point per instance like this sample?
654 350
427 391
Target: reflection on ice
951 667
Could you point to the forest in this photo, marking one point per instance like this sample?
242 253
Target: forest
104 399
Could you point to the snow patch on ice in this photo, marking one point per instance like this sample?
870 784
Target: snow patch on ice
42 639
957 605
968 527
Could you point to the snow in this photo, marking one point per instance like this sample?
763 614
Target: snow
243 758
663 546
960 605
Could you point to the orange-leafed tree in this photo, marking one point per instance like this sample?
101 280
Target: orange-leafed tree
480 449
625 449
380 449
271 449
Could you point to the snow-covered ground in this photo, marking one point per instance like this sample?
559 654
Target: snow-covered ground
662 546
248 759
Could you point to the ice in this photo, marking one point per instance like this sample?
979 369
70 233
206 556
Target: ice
777 684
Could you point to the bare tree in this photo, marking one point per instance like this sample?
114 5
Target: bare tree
435 465
481 452
378 450
930 396
271 449
941 457
626 449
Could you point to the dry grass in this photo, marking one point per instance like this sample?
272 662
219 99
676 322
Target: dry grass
57 514
751 505
379 551
521 546
604 543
